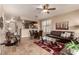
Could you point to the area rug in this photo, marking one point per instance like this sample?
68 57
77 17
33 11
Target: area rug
54 49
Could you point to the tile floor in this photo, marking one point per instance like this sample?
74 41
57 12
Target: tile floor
25 47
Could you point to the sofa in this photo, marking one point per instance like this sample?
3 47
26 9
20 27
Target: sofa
61 36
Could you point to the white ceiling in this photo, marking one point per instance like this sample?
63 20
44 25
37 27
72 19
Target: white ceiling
29 11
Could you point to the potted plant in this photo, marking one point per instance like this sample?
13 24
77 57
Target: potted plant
73 46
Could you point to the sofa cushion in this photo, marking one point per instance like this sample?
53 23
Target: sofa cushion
65 35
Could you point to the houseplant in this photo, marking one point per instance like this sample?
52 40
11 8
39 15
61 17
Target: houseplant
73 46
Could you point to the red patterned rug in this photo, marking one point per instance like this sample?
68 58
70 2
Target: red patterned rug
54 49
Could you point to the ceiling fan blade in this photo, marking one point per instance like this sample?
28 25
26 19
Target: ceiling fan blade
39 8
52 9
48 12
45 6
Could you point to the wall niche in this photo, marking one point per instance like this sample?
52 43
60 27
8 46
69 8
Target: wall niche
1 22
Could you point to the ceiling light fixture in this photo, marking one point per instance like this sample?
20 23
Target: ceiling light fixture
45 11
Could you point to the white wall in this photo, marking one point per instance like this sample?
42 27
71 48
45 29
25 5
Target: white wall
25 33
72 17
2 36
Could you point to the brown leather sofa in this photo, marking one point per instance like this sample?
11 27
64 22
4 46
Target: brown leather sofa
57 35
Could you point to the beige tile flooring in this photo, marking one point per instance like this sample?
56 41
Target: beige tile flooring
25 47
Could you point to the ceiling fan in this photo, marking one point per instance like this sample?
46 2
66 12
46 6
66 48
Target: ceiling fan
45 8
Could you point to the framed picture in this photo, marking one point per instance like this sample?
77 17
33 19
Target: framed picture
62 25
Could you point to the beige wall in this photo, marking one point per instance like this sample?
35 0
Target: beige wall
72 17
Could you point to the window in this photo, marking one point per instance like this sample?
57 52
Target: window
46 26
